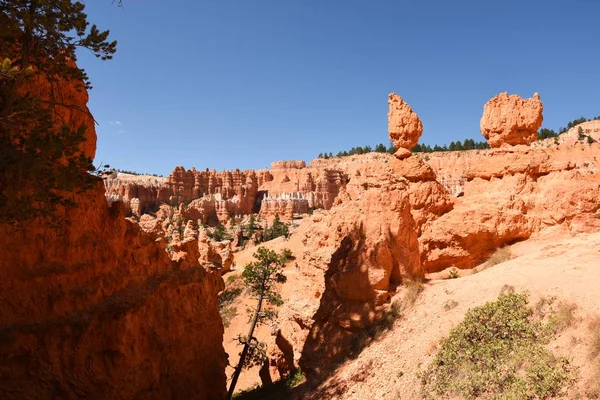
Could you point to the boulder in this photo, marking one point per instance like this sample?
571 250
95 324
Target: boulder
404 126
511 120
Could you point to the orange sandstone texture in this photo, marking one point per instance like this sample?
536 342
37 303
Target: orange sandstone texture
69 106
511 119
94 308
288 188
404 126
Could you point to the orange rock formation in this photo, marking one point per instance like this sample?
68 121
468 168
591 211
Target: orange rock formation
94 308
456 208
404 126
511 120
288 188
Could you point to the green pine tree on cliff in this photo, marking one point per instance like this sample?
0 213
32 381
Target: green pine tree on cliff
41 165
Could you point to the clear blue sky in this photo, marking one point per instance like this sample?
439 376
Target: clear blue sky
231 84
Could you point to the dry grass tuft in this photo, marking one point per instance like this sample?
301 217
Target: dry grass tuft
594 328
501 255
450 304
227 314
564 316
413 290
593 391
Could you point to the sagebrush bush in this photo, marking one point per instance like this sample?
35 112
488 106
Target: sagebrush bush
498 352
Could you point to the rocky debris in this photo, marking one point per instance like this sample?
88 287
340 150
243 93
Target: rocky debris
404 126
511 120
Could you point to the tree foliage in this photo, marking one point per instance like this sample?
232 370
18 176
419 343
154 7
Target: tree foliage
468 144
220 233
546 133
261 278
41 165
276 230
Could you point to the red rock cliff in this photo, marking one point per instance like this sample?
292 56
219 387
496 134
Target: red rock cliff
95 309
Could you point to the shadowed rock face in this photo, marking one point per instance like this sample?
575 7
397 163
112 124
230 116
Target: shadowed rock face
511 120
94 308
70 106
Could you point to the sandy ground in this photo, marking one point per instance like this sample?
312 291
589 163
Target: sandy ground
552 264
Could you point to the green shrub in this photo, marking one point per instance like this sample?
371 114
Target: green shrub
277 391
276 230
453 273
498 352
220 233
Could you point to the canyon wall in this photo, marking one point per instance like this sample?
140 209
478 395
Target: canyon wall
93 307
288 188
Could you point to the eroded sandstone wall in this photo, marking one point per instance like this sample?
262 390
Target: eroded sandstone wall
288 188
94 308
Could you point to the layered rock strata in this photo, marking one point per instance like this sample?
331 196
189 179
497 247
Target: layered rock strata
214 197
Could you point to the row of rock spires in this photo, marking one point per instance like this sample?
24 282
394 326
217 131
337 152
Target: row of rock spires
217 196
288 188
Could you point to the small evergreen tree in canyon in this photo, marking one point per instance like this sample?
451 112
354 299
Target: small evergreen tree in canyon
276 230
261 278
41 162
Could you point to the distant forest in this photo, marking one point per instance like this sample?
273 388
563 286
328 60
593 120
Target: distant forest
467 144
134 172
549 133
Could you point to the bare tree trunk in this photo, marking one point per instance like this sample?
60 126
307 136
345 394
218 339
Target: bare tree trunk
238 369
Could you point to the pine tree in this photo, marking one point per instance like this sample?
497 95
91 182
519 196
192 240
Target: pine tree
392 149
41 164
261 278
276 230
220 233
251 226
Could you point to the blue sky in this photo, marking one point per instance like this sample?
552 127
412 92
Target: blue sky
231 84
